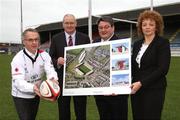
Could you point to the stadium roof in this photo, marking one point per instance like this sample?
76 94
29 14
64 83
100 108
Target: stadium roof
166 11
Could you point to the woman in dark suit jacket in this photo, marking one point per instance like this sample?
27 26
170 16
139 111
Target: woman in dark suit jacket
150 64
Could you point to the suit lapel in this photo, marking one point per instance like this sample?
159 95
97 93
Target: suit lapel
114 37
148 50
137 48
76 38
64 40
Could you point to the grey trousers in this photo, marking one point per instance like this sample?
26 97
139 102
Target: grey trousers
26 108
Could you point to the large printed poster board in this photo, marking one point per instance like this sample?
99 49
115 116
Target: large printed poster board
98 68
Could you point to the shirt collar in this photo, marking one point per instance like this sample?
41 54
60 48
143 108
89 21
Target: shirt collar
31 54
102 40
72 35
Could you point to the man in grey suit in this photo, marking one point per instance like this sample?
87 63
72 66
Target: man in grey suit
69 37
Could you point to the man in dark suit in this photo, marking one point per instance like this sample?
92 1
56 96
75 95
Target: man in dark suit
112 107
69 37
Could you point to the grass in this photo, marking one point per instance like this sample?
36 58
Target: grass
172 107
84 69
49 111
75 51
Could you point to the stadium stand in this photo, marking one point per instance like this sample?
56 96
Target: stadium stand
170 13
7 48
175 38
175 43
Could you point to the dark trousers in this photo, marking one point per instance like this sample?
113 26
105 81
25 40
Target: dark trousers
79 105
26 108
147 104
112 107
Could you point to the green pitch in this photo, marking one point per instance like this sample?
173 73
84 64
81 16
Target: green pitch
48 110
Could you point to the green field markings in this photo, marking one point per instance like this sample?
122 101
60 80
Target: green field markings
84 69
75 51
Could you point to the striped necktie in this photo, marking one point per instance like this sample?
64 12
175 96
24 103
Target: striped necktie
70 42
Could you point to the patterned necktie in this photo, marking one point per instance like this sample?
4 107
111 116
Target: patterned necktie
70 42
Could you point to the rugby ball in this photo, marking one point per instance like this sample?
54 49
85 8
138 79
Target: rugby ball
49 89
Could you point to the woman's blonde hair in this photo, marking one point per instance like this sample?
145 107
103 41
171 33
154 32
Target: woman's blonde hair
152 15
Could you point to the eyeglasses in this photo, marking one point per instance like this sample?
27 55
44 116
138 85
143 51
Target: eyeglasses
32 40
69 23
104 27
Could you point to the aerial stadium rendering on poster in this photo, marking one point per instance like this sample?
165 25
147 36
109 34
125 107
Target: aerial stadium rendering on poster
98 68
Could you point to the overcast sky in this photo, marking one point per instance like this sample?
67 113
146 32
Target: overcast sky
37 12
